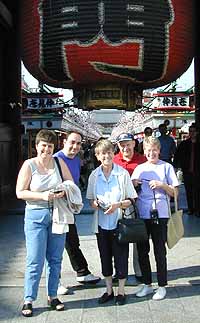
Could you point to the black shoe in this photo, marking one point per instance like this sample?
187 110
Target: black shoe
56 305
106 298
120 299
27 310
139 278
190 212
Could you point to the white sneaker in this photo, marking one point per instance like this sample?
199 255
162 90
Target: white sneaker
90 278
62 290
160 294
144 291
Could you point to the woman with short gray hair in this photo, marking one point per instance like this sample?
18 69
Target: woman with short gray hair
109 190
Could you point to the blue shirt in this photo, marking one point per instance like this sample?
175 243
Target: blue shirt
73 164
168 147
108 190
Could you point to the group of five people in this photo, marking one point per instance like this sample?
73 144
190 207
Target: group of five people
110 184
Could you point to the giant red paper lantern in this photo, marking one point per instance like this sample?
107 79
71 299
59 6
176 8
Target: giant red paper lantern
107 44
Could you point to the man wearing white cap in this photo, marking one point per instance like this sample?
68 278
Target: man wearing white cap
129 159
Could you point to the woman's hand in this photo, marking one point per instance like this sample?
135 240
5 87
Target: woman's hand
50 196
112 208
136 182
94 204
169 189
155 184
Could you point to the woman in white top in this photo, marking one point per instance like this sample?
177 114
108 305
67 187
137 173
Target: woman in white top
36 183
109 187
158 182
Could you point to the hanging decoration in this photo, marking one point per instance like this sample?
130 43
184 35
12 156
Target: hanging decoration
107 51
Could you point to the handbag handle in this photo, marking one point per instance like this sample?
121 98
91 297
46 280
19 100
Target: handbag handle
134 207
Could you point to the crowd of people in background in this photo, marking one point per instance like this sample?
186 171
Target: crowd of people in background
182 154
105 169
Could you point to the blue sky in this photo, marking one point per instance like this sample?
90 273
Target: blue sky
186 80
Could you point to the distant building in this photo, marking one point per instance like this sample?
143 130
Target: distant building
177 107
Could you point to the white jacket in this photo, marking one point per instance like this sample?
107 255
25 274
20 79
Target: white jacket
65 208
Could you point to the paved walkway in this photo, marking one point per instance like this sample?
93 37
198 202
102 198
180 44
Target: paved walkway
183 292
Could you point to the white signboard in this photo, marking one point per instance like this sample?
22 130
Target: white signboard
171 102
36 103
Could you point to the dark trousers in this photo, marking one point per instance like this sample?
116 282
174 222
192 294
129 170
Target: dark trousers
72 246
109 248
191 190
158 233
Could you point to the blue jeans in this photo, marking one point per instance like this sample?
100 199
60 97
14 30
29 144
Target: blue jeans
41 244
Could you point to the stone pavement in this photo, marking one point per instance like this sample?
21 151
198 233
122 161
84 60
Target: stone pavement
183 291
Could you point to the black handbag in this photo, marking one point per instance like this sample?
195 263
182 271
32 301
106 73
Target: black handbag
131 228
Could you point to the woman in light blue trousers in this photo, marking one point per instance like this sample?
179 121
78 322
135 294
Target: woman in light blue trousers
36 184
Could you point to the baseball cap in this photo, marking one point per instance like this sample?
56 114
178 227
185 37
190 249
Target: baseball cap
125 137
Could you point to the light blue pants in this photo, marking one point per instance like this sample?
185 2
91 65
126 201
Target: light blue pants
41 245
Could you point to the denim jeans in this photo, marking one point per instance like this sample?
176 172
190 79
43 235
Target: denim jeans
41 245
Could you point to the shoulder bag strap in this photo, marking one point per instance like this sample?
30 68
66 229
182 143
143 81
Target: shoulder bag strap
59 168
175 198
167 197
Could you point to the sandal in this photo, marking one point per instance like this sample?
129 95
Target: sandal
55 304
27 310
